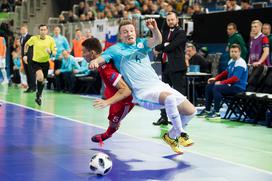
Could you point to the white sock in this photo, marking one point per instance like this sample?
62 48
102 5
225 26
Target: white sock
186 118
173 133
4 74
173 113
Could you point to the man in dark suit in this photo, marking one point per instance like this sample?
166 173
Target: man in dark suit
30 75
172 58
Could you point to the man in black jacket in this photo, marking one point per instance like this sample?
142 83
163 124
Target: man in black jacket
172 58
30 75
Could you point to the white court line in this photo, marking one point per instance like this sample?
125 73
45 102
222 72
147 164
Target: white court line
144 139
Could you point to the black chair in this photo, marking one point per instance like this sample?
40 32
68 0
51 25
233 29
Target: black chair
244 104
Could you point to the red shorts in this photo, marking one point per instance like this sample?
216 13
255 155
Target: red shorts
120 109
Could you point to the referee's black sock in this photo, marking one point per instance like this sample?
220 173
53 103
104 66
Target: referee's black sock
40 86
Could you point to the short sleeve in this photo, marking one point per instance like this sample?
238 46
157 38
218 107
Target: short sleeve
110 75
31 41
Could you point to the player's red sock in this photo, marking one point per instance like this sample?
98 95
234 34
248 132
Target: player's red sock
108 133
103 136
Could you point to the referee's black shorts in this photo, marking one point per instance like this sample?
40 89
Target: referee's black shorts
41 66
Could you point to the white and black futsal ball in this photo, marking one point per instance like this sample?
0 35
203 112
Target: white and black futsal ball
100 164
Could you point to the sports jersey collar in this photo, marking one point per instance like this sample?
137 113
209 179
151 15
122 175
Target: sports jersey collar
133 45
39 36
258 35
124 45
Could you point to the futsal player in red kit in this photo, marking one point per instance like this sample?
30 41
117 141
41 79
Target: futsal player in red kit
117 92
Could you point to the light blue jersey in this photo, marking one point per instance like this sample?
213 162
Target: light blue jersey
61 44
69 64
133 62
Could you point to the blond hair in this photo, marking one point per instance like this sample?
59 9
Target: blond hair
257 22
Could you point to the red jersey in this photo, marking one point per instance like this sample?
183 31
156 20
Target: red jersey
110 77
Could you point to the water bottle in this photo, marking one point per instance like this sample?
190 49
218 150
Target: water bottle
268 118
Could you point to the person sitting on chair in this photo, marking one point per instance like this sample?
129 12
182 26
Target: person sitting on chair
231 81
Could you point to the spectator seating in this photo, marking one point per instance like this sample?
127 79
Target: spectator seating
87 84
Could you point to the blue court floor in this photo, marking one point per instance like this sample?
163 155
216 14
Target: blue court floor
36 146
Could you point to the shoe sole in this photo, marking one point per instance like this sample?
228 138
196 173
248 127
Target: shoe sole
188 145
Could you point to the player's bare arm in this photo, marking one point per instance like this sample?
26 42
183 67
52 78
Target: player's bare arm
156 38
122 93
94 64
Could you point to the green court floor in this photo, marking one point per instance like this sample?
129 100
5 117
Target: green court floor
240 143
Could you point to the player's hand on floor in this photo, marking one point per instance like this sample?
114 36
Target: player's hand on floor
100 103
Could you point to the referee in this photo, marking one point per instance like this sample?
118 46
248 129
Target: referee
43 47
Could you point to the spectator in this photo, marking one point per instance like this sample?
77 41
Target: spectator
259 45
145 9
101 15
5 6
231 5
236 38
154 9
163 7
81 9
16 79
76 44
190 11
203 51
195 58
61 44
245 5
197 8
66 73
72 17
126 15
82 17
266 29
88 34
90 16
84 68
62 19
231 81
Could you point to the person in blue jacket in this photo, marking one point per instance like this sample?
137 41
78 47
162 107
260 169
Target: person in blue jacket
65 76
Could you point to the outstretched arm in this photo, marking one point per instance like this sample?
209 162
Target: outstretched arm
156 38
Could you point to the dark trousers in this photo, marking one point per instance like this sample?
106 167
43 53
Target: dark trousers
65 81
16 79
57 64
177 81
214 93
30 75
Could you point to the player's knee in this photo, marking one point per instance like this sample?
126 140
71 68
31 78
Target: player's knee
170 100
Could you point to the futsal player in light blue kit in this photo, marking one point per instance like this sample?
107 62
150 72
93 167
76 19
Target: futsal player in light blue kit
130 57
